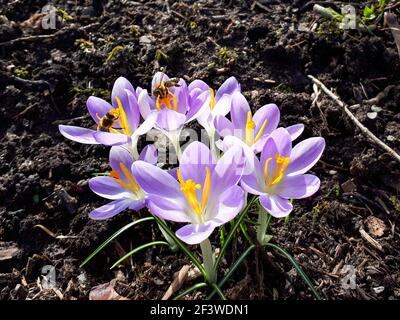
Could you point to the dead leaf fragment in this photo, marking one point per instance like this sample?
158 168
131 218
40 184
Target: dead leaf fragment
348 186
180 278
105 291
375 226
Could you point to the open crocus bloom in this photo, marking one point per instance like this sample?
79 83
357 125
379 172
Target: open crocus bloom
218 104
205 194
279 175
120 186
248 131
175 108
127 118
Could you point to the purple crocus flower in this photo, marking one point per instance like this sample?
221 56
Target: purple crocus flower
120 186
251 131
174 109
126 126
280 173
205 194
219 104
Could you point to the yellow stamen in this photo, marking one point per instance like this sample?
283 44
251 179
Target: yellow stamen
260 131
280 168
166 101
189 188
131 185
206 189
212 101
250 125
123 120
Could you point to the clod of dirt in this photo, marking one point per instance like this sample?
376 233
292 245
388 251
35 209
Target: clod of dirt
375 226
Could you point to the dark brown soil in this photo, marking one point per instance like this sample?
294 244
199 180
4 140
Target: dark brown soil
39 168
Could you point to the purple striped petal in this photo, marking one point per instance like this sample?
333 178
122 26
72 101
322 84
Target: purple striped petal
106 187
154 180
110 139
278 142
269 113
109 210
239 109
230 203
295 130
229 87
195 233
120 154
78 134
275 205
305 155
144 104
195 158
97 107
170 120
298 187
167 208
149 154
223 126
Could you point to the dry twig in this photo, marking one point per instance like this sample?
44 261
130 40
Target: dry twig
363 129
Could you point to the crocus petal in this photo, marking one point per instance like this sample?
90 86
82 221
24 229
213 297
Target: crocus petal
149 154
231 201
158 78
144 103
195 233
182 96
295 130
154 180
232 141
198 84
223 126
132 111
229 87
298 187
239 109
275 205
109 210
198 105
147 124
170 120
110 139
124 90
223 106
97 107
278 142
106 187
228 170
167 208
78 134
120 154
270 115
305 155
195 158
254 182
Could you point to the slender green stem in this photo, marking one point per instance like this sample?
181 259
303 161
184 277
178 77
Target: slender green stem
182 246
171 242
116 234
143 246
263 222
299 270
218 290
231 270
208 260
231 233
191 289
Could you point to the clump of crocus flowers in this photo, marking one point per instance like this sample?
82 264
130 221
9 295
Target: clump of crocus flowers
247 160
